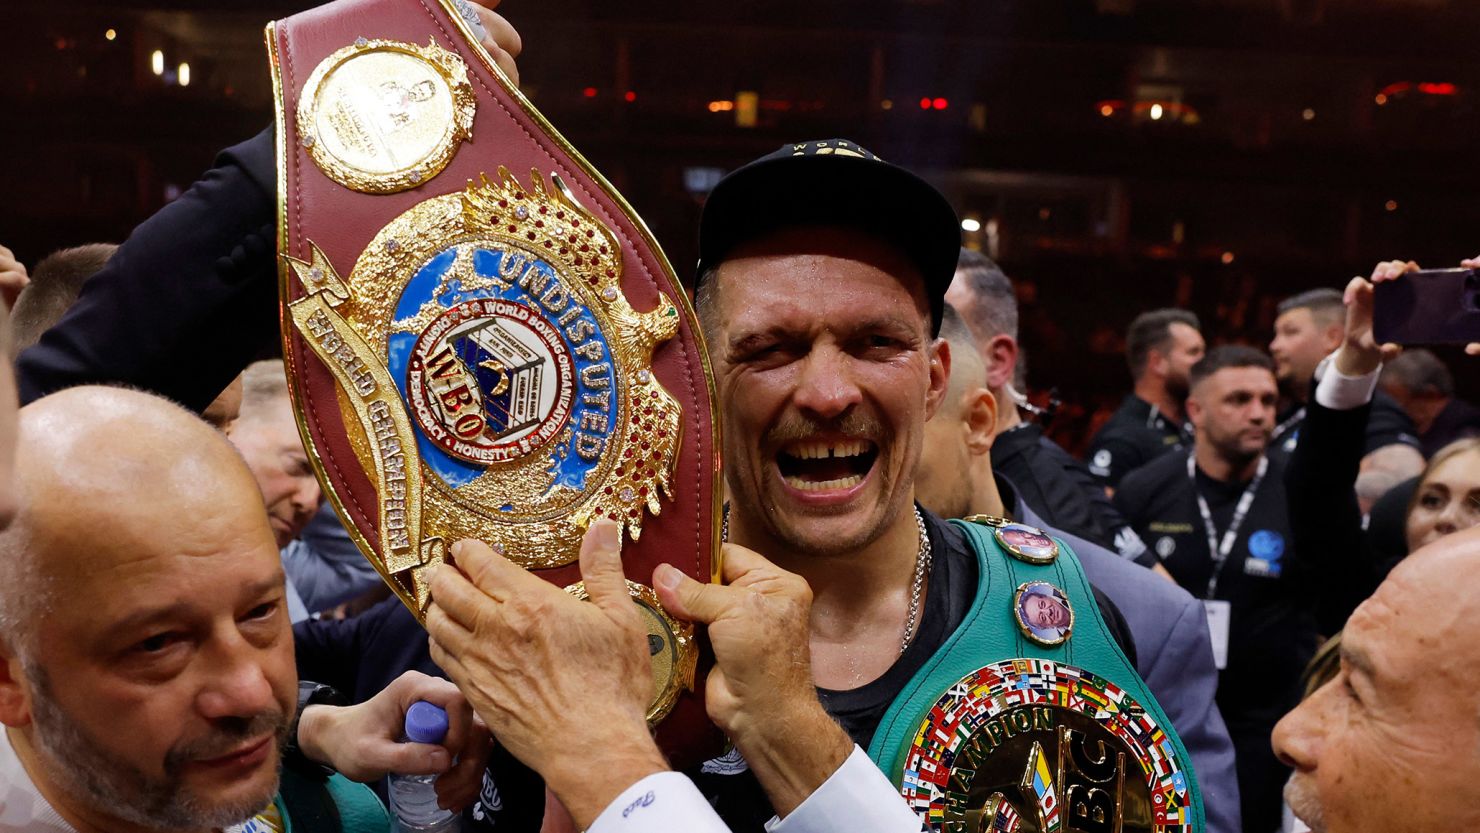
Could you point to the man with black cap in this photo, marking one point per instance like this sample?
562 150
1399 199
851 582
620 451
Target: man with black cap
822 277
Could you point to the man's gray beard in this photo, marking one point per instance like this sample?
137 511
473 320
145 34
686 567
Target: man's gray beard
1300 794
81 767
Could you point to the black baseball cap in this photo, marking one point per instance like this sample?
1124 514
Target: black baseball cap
835 182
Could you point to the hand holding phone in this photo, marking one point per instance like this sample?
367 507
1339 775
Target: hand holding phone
1430 306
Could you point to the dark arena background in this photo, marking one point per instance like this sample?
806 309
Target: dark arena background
1112 155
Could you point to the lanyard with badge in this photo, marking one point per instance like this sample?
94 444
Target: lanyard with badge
1219 612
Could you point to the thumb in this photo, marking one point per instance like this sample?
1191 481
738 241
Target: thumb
688 599
601 567
1359 305
383 756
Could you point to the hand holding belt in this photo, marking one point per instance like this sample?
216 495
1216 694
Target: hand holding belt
476 351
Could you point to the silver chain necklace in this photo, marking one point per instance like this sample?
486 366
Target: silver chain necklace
922 567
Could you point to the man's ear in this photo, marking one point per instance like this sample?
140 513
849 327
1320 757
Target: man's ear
1194 411
980 409
1334 334
1156 363
940 376
1000 355
15 690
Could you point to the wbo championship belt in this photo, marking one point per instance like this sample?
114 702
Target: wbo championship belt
483 340
1030 719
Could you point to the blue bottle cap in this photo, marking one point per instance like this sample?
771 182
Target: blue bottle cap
425 723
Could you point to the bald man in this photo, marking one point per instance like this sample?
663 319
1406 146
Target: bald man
146 665
1393 741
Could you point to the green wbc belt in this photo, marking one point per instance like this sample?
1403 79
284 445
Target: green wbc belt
1030 717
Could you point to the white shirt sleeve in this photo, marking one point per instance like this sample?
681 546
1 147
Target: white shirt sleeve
1340 392
663 801
857 798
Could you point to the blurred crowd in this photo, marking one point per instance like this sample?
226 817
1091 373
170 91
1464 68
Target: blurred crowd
1275 538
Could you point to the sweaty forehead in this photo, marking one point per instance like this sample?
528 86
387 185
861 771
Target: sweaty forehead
797 275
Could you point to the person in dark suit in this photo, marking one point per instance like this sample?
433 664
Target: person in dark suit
1052 480
1323 507
1308 328
1173 653
191 297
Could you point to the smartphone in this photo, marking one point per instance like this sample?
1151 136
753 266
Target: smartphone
1434 306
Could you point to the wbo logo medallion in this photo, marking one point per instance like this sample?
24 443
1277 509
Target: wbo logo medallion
489 380
501 380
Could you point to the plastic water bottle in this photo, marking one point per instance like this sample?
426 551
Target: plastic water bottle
414 797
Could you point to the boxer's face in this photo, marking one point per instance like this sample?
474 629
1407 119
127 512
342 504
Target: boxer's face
827 374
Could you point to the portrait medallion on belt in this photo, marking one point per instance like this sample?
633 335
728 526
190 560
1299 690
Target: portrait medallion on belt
1028 544
1043 613
382 116
1036 746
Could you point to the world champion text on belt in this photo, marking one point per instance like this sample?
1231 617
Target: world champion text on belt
464 358
513 373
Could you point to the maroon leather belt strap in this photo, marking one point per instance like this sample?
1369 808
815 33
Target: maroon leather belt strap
483 338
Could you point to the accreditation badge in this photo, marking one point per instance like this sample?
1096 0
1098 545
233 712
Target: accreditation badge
483 338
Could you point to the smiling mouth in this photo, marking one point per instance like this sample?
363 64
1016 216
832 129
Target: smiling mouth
815 466
245 754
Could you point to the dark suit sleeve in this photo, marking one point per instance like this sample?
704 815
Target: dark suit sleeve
329 651
1112 529
185 303
1070 500
1325 520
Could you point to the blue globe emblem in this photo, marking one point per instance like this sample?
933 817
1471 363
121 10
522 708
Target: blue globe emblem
1267 545
498 360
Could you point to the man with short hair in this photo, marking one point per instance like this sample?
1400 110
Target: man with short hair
1308 329
1048 476
146 664
266 433
958 477
1161 347
1392 742
53 287
1424 388
328 569
1217 520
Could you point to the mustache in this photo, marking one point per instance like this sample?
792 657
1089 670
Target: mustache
1301 795
229 734
855 425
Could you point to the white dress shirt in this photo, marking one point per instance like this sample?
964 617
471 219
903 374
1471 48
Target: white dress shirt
856 798
22 807
1340 392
